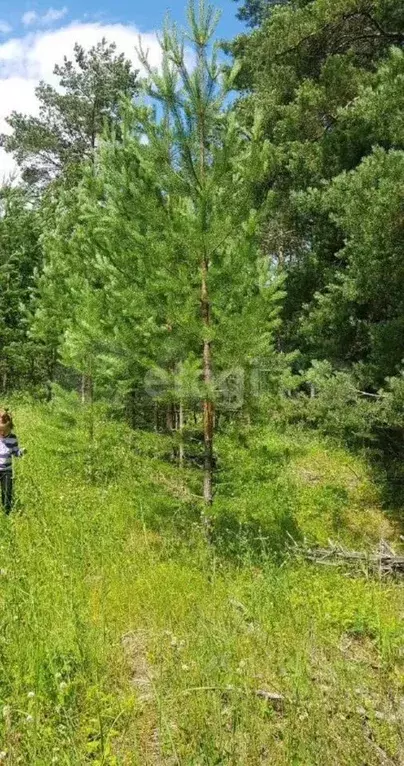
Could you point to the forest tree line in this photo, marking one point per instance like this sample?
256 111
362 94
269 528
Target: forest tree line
218 240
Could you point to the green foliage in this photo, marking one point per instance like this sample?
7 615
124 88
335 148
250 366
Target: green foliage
254 12
362 309
328 78
124 254
337 407
21 359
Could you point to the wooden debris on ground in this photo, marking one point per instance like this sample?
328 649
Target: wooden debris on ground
274 699
384 560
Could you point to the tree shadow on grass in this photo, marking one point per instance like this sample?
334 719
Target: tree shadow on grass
256 501
387 459
253 515
254 539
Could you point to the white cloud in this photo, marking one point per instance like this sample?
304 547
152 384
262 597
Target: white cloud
5 27
53 14
16 93
26 60
49 17
19 94
29 18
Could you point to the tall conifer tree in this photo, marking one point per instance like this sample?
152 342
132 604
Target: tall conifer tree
165 240
205 163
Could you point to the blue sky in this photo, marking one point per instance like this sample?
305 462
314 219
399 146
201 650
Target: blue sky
145 15
34 35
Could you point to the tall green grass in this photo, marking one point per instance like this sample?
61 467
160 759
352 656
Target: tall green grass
126 639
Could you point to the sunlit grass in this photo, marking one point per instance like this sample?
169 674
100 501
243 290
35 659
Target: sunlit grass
126 639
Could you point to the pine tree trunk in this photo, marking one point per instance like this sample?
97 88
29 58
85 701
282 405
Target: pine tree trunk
208 407
170 425
91 403
83 388
169 418
181 432
51 362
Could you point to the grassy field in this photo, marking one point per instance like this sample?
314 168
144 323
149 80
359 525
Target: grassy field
126 639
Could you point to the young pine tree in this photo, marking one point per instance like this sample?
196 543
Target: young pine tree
165 238
204 161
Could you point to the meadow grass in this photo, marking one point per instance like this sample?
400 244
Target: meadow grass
127 639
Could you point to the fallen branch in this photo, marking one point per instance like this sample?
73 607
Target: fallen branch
384 560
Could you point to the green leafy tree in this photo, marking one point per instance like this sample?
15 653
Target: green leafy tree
57 279
73 115
254 12
359 317
327 78
20 257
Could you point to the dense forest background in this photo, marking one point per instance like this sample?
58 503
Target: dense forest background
220 240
